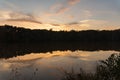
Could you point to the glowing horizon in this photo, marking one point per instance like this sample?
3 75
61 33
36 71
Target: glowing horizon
61 14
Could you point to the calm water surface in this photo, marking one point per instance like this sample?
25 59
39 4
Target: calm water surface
49 65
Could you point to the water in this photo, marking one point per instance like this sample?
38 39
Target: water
46 65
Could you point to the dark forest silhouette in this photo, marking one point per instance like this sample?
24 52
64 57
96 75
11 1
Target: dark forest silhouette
16 41
14 34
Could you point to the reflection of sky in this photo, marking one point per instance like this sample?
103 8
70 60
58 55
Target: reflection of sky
48 64
80 14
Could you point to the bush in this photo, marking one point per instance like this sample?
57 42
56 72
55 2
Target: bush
108 69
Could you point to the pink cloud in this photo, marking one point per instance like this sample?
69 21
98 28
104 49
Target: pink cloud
73 2
61 8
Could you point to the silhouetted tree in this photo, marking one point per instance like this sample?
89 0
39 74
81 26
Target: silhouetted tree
15 34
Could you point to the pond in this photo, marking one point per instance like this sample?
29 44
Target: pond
49 65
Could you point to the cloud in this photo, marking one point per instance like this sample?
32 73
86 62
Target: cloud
87 14
5 14
73 23
18 16
70 16
10 5
86 24
93 22
73 2
55 24
59 11
62 10
25 20
84 21
64 6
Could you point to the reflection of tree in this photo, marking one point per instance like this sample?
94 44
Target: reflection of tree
20 49
108 69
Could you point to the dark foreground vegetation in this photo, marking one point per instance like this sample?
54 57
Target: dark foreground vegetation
108 69
13 34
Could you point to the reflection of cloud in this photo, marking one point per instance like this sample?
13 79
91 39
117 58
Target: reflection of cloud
4 66
34 57
84 54
24 60
74 57
76 54
84 59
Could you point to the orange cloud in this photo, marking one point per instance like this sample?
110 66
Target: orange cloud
73 2
18 16
62 10
25 20
55 24
66 6
63 7
58 11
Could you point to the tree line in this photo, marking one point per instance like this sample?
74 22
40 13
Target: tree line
18 34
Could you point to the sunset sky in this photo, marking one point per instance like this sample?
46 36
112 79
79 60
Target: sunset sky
61 14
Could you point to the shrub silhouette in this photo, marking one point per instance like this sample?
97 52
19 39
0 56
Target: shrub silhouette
108 69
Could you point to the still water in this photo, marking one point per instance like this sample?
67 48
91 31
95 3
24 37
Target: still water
49 65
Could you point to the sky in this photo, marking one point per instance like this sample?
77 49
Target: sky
61 14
